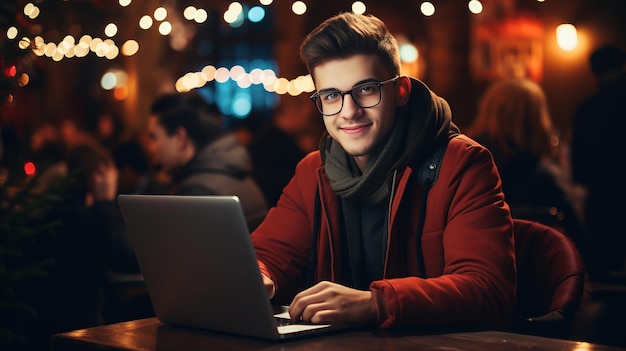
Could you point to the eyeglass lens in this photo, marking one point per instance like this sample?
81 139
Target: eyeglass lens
364 95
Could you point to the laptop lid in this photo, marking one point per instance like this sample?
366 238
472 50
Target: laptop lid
199 265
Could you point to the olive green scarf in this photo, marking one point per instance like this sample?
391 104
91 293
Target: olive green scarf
419 127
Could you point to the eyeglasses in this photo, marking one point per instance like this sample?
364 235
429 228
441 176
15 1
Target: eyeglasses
365 95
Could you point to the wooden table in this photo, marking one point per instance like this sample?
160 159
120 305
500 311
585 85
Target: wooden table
150 334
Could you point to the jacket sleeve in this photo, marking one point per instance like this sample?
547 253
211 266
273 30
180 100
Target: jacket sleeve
468 226
287 229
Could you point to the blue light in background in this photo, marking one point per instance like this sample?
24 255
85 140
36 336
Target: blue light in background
256 14
241 105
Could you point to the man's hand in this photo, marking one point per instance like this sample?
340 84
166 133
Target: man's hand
328 302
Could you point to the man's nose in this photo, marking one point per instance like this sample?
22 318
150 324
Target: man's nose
350 108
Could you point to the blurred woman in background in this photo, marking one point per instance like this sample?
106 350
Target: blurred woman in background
513 121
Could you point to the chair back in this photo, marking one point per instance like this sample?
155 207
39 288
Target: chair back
551 279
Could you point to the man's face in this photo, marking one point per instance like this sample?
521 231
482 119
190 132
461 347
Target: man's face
358 130
164 149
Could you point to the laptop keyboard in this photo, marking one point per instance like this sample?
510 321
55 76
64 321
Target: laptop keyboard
283 321
285 325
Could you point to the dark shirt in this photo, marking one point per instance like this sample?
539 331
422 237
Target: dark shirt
598 154
534 192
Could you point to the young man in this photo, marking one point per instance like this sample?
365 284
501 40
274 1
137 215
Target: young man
378 245
191 146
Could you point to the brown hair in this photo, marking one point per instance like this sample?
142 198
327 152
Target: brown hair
513 116
349 34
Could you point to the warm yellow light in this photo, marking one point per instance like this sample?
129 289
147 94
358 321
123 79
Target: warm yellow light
145 22
34 13
28 8
189 13
100 48
57 56
566 36
12 33
23 79
292 89
120 93
160 14
230 16
208 72
24 43
49 49
298 7
271 83
82 49
110 29
358 7
281 86
192 81
303 83
31 11
86 39
427 8
201 16
233 14
165 28
235 7
39 46
68 41
130 47
71 52
112 52
475 6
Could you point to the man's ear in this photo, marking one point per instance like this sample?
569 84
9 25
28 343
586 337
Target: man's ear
182 139
404 90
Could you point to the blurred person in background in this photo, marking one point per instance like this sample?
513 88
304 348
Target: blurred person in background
47 150
598 153
202 158
108 130
90 241
274 153
514 123
134 168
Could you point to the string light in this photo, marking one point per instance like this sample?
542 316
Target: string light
427 8
475 6
235 16
359 7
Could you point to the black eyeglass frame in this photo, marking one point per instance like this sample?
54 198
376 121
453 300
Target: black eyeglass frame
316 95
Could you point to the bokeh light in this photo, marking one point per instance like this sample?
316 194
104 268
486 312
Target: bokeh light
427 8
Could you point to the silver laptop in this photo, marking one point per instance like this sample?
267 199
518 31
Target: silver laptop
200 268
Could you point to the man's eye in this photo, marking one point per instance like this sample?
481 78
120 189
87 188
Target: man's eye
330 96
366 89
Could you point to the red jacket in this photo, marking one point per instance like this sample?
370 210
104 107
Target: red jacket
467 243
